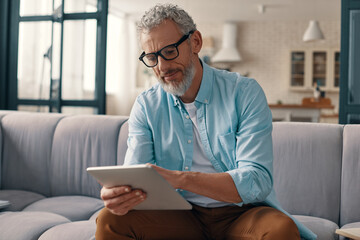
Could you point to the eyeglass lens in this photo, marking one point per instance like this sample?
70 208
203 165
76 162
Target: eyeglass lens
168 53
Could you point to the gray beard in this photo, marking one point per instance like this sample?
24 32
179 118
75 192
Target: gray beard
180 89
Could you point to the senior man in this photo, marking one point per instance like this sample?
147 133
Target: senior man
208 133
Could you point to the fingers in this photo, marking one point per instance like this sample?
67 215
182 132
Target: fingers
125 207
120 200
109 193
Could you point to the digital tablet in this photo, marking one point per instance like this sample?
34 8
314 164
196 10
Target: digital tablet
160 194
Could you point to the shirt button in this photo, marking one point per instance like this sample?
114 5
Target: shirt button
187 117
189 141
206 101
186 168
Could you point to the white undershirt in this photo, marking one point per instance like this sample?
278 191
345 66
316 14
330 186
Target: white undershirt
200 162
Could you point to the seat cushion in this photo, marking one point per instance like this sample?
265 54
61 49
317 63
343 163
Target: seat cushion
27 225
323 228
95 215
81 230
19 199
74 208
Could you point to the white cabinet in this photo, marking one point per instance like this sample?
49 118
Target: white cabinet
310 66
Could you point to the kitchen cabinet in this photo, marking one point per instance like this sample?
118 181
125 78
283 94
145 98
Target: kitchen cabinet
310 66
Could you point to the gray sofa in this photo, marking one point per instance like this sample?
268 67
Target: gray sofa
44 158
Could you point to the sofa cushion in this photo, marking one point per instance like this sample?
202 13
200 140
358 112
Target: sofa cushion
81 230
27 142
81 142
350 184
122 143
307 168
2 114
324 229
27 225
74 208
95 215
19 199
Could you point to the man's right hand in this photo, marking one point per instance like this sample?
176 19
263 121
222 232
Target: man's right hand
120 200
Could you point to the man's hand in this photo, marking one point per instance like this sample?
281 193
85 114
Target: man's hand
218 186
120 200
173 177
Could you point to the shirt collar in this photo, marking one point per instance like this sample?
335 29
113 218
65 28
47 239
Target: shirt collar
204 94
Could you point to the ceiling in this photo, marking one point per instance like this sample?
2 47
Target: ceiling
240 10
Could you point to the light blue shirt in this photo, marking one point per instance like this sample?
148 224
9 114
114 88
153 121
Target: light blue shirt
234 123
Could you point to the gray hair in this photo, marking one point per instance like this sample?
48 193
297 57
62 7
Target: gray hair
156 15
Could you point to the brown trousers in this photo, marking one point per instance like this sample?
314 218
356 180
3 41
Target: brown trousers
232 222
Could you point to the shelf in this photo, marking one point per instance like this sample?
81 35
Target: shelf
317 65
300 89
297 76
310 90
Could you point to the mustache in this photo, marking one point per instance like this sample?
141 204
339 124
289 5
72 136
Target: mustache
169 72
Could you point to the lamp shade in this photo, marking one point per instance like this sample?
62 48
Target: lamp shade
228 51
313 32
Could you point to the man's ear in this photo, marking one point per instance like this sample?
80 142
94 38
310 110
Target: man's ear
196 41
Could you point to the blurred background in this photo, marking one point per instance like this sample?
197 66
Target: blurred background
81 56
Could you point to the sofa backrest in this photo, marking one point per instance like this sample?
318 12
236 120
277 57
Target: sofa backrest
122 144
307 168
48 153
350 184
81 142
27 140
2 113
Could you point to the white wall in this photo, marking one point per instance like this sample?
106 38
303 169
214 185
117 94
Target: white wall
265 48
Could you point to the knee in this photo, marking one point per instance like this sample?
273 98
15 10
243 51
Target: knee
106 218
109 225
275 225
103 217
103 220
284 228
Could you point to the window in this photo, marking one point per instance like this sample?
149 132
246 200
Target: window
58 54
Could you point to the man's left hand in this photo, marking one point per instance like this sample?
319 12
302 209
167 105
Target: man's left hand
173 177
218 186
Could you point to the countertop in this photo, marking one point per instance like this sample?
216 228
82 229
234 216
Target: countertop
322 103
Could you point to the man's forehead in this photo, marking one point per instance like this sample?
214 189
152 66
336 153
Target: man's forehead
164 34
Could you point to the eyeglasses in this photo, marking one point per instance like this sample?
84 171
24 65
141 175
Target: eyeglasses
168 52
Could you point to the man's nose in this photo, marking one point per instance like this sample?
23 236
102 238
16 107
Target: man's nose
163 64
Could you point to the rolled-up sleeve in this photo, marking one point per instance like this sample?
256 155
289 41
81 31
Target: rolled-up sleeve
254 153
140 141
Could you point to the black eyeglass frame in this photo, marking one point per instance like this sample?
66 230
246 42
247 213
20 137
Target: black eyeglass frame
158 53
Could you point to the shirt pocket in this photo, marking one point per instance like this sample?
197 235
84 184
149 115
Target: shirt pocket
227 149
